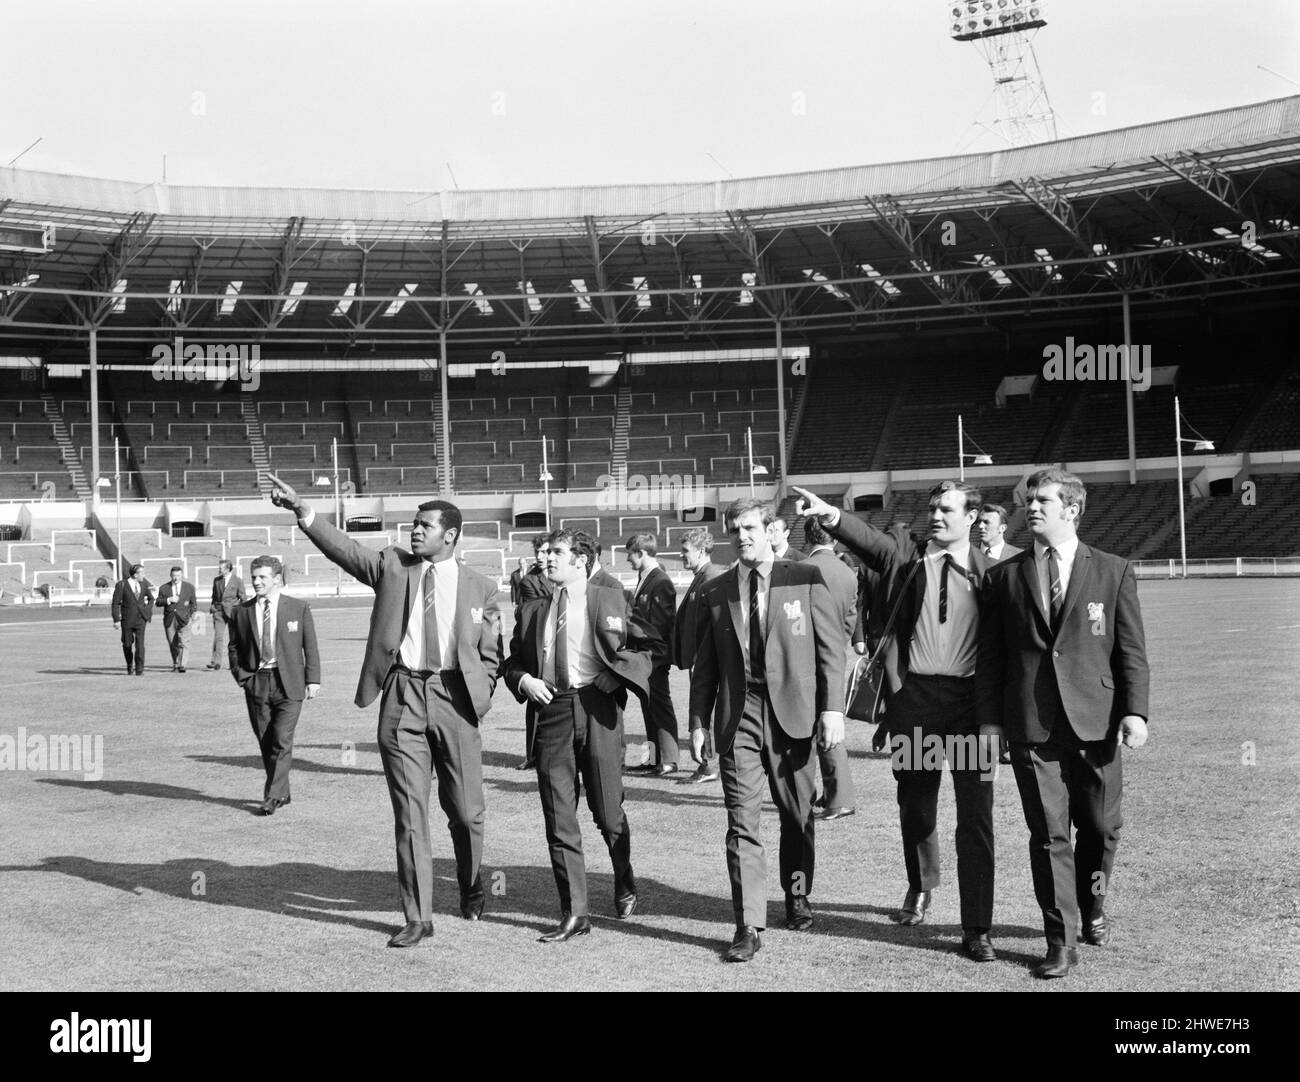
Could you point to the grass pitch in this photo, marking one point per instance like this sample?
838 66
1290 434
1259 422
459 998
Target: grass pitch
159 876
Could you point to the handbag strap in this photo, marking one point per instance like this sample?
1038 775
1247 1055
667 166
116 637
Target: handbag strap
898 603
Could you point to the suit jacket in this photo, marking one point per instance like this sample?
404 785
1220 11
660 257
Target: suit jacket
394 574
296 653
601 577
843 585
655 602
624 644
130 610
891 555
532 586
1007 552
804 655
1094 668
793 555
231 594
187 602
686 626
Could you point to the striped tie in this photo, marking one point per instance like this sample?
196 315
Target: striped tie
432 655
1055 593
757 655
562 640
268 641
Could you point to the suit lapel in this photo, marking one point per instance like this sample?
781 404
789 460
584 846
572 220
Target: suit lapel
1029 578
458 629
775 580
733 603
1078 577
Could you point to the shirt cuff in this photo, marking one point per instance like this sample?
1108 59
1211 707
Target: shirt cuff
311 517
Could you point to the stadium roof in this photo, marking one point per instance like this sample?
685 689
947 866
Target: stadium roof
1190 208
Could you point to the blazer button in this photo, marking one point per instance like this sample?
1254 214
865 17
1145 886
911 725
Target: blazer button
1056 653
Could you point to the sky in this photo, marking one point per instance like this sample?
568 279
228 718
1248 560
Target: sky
535 93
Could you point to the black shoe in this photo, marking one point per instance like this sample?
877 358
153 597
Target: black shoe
912 911
1058 963
267 807
978 947
130 671
1096 930
413 934
527 764
701 774
643 768
209 665
569 927
625 906
181 668
744 946
663 771
798 913
472 909
829 814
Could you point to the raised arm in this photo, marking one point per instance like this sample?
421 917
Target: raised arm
363 564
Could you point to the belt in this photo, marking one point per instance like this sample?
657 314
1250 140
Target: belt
425 674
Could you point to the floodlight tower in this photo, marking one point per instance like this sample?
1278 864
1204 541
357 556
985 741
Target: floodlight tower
1004 30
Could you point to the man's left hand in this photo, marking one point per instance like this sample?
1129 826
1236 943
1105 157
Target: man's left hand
607 682
312 689
1132 731
831 724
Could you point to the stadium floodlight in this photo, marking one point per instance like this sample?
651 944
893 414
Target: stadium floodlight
989 18
983 458
34 240
1200 443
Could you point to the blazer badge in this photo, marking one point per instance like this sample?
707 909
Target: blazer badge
1096 610
476 616
793 609
292 625
614 623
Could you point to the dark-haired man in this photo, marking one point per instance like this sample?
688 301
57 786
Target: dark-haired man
655 602
227 593
930 697
993 533
274 658
178 602
697 546
575 654
434 651
132 611
532 585
1063 676
769 672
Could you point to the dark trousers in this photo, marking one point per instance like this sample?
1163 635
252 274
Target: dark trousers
837 782
178 641
939 711
580 733
219 654
274 717
133 646
661 719
761 747
1062 781
428 726
530 729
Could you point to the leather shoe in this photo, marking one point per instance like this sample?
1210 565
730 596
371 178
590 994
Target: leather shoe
625 906
798 913
699 775
180 668
472 909
269 805
978 947
527 764
1096 930
912 911
828 814
411 935
569 927
1058 963
209 665
744 946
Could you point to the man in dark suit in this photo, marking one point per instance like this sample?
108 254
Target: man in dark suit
132 611
839 798
575 654
1063 676
930 704
596 573
178 602
435 652
532 585
697 544
274 658
227 593
767 627
779 533
993 534
655 602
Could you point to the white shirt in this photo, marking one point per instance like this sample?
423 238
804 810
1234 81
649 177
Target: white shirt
764 571
273 598
135 587
948 648
1065 553
994 552
447 582
584 665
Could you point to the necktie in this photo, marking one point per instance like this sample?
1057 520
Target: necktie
757 660
268 642
988 550
1055 593
943 588
432 654
562 640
